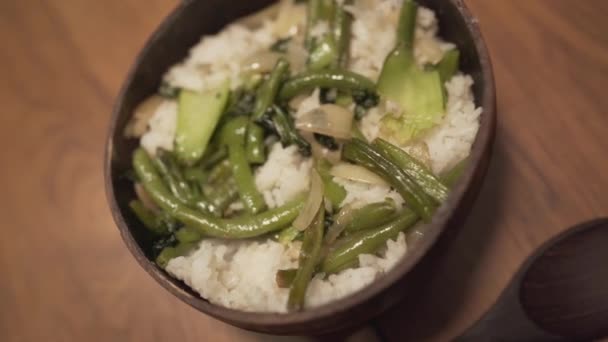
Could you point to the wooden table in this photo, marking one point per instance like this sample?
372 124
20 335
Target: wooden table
67 275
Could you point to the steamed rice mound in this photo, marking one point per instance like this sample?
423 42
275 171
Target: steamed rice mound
241 274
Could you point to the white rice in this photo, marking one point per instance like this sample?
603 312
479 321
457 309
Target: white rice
161 128
284 175
241 274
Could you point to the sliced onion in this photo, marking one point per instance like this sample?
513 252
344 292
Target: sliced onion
328 119
343 218
261 62
145 199
297 55
356 173
313 202
142 114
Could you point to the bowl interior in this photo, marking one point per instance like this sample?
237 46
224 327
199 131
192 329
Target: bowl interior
170 44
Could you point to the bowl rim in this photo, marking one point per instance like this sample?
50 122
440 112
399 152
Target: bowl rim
270 321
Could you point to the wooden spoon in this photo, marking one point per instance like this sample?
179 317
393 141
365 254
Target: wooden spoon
559 294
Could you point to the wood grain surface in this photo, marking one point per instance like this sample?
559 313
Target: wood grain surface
66 275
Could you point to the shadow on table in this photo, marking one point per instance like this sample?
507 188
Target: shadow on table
443 277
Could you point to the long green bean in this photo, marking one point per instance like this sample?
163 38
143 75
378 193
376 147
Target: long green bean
371 215
255 144
368 156
268 90
234 135
347 251
309 256
414 169
337 78
342 35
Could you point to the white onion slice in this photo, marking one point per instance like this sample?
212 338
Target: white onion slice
261 62
145 198
313 202
356 173
328 119
343 218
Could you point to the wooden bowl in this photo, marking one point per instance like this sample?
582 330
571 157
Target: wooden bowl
170 44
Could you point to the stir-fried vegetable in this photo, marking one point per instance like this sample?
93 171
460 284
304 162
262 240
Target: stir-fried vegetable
152 221
371 215
309 256
197 118
236 228
367 155
335 78
356 173
233 134
288 235
206 188
414 169
346 254
342 22
328 119
188 235
334 192
169 253
419 93
313 202
255 144
268 90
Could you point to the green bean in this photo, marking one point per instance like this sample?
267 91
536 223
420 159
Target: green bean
147 217
288 235
169 253
371 215
333 191
236 228
414 169
316 11
234 136
324 54
168 169
309 256
268 90
346 254
187 234
451 176
337 78
284 278
255 144
368 156
342 31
